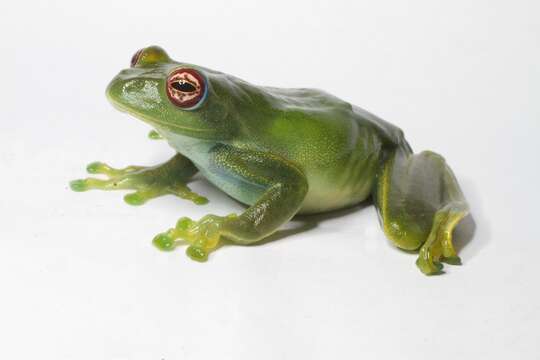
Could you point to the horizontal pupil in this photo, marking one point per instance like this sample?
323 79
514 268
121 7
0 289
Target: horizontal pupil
183 86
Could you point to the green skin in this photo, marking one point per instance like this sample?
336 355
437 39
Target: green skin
282 152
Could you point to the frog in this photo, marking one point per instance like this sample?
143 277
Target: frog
282 152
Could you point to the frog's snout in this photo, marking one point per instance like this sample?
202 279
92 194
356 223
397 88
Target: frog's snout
117 93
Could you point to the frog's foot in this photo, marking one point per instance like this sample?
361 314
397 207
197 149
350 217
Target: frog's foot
148 183
438 246
202 236
420 204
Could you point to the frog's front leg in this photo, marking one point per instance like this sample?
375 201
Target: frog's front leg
282 188
420 203
148 182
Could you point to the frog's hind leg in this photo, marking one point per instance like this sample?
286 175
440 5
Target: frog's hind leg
148 182
420 203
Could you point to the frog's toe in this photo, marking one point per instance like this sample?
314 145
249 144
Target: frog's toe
141 196
197 253
164 242
183 224
78 185
428 265
438 247
97 168
199 200
184 192
135 199
452 260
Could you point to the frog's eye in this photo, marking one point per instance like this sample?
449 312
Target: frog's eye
135 58
186 88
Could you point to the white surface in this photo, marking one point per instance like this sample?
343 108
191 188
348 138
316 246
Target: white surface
80 278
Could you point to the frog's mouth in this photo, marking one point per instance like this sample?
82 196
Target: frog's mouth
172 127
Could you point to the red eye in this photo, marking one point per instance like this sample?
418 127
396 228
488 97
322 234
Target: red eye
186 88
135 57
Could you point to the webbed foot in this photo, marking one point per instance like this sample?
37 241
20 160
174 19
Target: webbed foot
202 236
420 204
148 182
438 246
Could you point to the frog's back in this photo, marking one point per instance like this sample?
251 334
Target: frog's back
337 145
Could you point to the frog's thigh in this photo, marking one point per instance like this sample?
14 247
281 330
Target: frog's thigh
284 184
419 203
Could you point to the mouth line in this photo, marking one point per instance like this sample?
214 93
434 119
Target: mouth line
146 119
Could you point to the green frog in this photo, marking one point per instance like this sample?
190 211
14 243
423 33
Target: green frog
281 152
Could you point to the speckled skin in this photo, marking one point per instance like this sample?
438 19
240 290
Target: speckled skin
341 175
282 152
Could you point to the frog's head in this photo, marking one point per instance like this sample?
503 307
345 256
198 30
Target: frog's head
175 97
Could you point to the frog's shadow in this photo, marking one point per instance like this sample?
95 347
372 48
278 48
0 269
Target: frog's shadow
463 233
310 222
304 223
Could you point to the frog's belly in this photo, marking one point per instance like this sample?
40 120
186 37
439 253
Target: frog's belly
328 190
237 188
323 196
342 186
337 184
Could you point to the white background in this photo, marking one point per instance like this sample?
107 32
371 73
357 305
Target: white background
80 278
